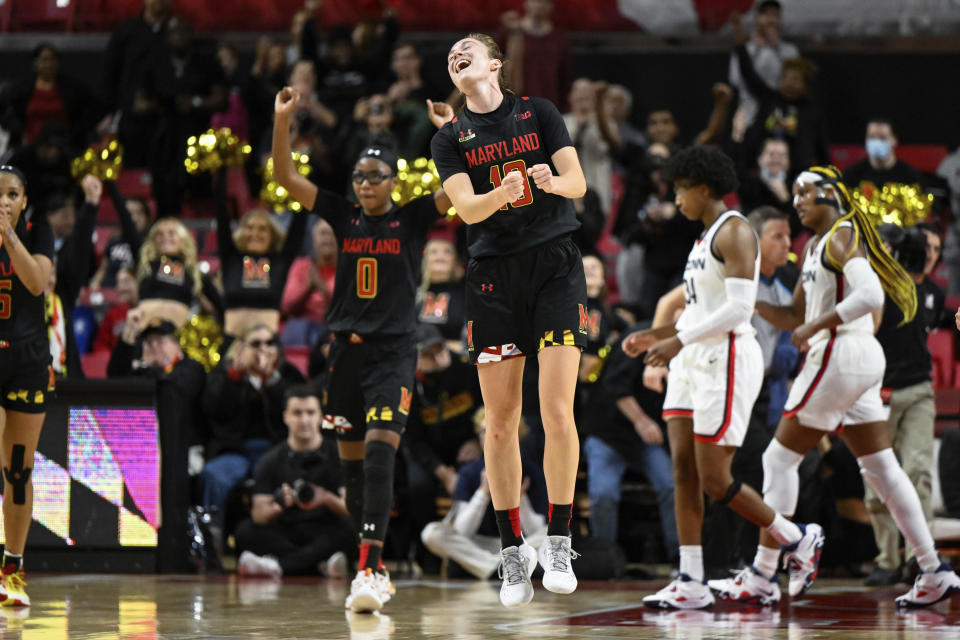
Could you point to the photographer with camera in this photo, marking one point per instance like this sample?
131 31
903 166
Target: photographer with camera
298 521
907 388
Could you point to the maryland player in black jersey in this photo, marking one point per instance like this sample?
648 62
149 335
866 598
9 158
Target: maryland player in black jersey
373 318
26 380
510 169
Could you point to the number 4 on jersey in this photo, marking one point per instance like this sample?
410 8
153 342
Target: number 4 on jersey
689 292
513 165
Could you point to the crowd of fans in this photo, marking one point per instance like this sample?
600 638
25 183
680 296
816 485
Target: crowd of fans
258 416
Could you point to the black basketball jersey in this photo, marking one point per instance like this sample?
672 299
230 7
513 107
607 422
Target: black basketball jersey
518 134
21 312
378 264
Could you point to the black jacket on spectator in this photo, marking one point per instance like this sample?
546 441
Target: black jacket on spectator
441 417
863 171
185 379
130 52
622 376
444 305
236 411
754 193
802 123
281 464
905 347
44 177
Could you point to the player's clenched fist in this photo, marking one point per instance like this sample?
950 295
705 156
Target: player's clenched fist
513 185
542 176
286 102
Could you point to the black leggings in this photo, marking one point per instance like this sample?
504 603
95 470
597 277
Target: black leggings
299 548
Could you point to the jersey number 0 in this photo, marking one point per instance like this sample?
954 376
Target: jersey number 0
513 165
367 278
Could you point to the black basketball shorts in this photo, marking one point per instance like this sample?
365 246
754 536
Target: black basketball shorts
26 379
521 303
369 384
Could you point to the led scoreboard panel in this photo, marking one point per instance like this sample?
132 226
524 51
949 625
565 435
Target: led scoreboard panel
96 476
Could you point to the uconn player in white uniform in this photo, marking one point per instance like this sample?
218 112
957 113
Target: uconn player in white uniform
716 371
846 270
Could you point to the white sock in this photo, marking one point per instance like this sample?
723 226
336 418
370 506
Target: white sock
766 561
882 472
784 531
691 561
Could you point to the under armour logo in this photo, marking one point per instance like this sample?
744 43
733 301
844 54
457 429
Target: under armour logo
369 526
488 288
394 224
372 152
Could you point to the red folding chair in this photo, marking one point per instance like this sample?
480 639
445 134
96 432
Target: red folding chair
940 342
33 14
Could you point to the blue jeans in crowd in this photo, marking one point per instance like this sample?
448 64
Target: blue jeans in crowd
605 469
223 473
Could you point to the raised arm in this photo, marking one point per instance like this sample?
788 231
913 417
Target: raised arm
302 190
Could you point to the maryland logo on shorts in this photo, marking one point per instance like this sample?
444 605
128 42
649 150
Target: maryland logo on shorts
584 319
405 399
470 335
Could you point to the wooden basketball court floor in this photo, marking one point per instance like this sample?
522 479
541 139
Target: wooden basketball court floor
107 607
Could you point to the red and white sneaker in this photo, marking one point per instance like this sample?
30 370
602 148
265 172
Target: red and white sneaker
803 559
749 586
930 588
366 592
682 593
15 587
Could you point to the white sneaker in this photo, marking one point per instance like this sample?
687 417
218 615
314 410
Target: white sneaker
250 564
335 566
932 587
803 558
748 586
682 593
555 555
366 592
387 589
516 567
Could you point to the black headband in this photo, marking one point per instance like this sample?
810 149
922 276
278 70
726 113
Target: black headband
380 153
8 168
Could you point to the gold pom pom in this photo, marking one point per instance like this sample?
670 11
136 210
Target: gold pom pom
214 149
414 179
275 196
201 339
104 163
901 204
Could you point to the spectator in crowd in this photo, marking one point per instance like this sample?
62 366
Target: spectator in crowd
603 326
440 436
309 288
468 534
592 149
617 106
767 52
151 349
441 296
624 429
268 75
72 240
240 92
185 87
243 406
593 220
254 262
662 129
408 84
131 51
372 125
527 41
649 219
314 124
298 521
45 163
168 274
787 112
122 251
907 390
881 166
769 184
114 321
56 326
46 95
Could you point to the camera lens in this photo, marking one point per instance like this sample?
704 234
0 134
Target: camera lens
304 491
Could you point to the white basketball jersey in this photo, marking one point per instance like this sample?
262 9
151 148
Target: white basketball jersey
824 287
703 279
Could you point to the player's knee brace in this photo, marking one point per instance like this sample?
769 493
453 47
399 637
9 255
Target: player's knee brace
882 472
781 482
353 482
378 463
